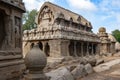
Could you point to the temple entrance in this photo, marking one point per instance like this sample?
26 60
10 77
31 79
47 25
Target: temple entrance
40 45
2 27
47 49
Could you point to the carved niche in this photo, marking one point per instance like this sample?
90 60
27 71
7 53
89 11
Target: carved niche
2 28
17 32
46 15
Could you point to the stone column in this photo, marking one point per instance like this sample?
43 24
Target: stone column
82 49
65 48
75 52
88 48
59 48
55 48
98 49
112 47
92 49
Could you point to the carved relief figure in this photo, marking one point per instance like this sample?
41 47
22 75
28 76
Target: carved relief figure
2 29
17 31
45 17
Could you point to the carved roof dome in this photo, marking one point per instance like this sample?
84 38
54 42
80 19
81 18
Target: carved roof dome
111 37
117 46
35 59
102 29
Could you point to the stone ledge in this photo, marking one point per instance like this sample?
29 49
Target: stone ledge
10 57
5 64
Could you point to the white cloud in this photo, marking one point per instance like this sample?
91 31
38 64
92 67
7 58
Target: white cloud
85 5
34 4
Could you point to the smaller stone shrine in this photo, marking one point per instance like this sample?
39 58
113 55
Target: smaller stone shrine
107 44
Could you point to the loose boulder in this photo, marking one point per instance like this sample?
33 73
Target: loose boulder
60 74
88 68
79 71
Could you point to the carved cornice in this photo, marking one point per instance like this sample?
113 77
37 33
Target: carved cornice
64 34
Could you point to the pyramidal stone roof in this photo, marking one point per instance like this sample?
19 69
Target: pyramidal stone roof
66 13
15 3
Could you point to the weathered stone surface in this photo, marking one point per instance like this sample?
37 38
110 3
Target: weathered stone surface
115 73
91 61
79 71
83 61
106 66
88 59
53 62
88 68
60 74
99 61
71 67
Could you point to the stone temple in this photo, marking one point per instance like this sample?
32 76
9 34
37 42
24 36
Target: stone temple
107 44
11 62
61 32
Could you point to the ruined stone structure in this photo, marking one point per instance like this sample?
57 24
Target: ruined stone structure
11 63
61 32
107 44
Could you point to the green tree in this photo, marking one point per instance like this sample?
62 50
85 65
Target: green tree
116 34
29 20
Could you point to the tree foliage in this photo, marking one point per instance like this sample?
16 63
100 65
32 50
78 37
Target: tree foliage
116 34
29 20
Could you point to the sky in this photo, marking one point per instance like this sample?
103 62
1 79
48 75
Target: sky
101 13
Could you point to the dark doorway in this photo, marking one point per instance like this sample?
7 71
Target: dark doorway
31 46
71 49
40 45
78 49
47 49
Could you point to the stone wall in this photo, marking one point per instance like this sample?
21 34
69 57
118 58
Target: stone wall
11 63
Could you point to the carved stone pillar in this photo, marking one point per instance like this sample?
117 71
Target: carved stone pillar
112 47
59 48
65 48
88 48
75 52
82 49
92 49
98 49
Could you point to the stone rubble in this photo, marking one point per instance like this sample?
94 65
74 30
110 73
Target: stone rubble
106 66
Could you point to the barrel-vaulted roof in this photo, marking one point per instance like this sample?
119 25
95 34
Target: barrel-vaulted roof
66 14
